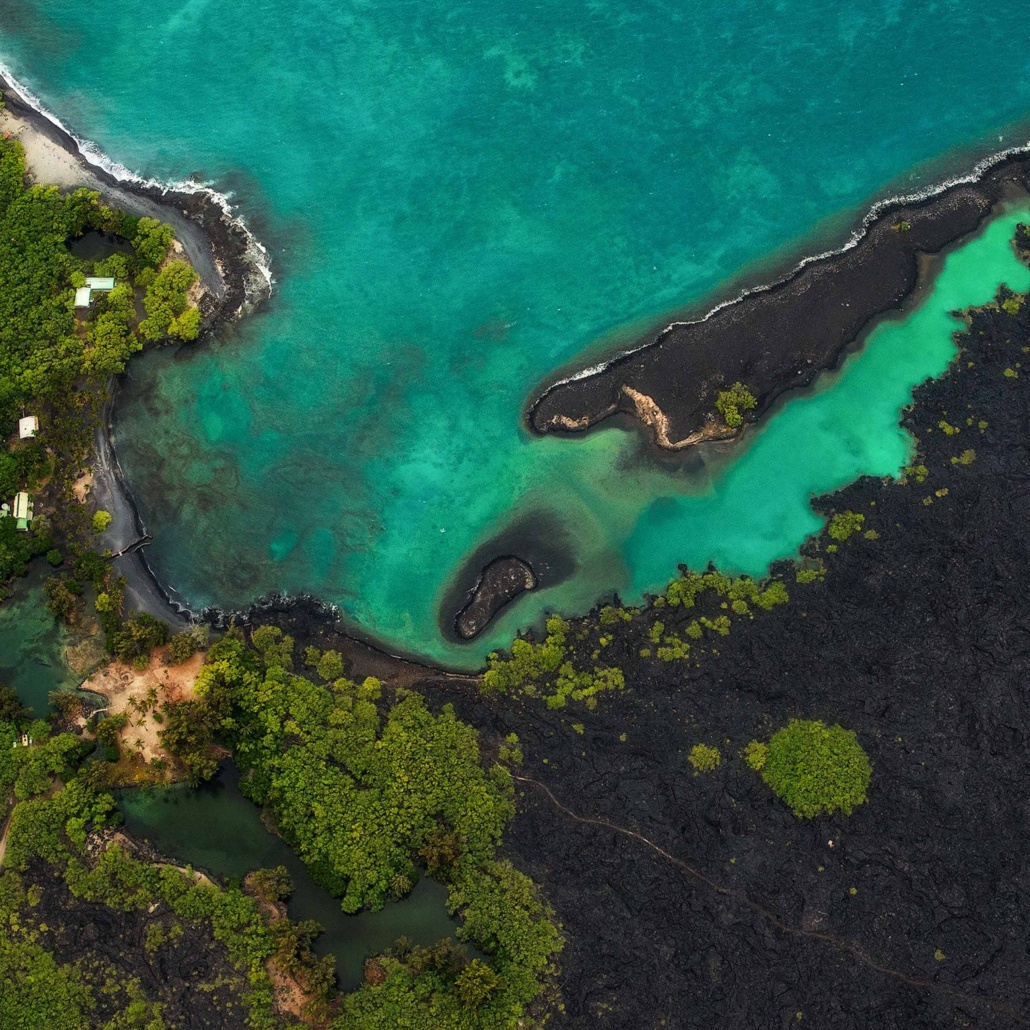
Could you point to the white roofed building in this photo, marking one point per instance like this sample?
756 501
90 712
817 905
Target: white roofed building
28 427
94 284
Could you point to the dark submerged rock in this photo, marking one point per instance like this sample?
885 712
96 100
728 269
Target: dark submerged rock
499 583
542 546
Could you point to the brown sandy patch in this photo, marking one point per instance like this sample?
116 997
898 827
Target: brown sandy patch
651 415
45 161
139 693
82 486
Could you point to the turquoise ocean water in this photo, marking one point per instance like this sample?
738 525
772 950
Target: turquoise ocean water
459 199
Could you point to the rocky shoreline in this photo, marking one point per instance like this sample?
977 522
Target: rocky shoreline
229 259
778 337
230 263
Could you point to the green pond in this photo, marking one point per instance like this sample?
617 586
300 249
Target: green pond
216 829
32 643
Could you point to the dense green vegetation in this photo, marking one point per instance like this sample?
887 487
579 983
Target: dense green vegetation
67 828
370 792
704 758
844 524
566 665
816 769
732 404
547 670
54 358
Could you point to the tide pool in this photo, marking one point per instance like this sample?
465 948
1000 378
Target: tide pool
457 201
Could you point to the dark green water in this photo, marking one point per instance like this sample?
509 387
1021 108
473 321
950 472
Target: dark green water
216 829
32 644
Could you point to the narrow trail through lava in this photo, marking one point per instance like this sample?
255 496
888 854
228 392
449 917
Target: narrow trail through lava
999 1007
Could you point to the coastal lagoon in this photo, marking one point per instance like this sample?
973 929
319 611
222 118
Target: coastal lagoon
457 202
218 831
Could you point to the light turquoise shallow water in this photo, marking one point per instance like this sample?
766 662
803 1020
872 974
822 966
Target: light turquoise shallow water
459 199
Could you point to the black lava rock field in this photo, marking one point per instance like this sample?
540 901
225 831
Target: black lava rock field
700 900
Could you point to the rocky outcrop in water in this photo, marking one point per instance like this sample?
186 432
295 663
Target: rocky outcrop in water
778 338
500 582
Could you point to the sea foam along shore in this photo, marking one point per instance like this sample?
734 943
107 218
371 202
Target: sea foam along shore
229 258
875 211
233 263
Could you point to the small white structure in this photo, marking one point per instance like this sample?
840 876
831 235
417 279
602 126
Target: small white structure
22 511
94 284
28 427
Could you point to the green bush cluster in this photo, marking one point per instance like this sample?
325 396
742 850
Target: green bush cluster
755 754
844 524
686 591
166 303
816 769
732 403
546 670
137 636
26 772
610 616
185 644
364 792
583 686
704 758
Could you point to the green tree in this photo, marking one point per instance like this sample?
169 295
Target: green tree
476 983
732 403
844 524
817 769
101 520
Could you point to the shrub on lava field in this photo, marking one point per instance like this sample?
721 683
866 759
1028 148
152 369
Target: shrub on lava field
755 753
732 402
817 769
704 758
844 523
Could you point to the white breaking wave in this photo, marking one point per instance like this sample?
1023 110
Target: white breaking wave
256 252
979 170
